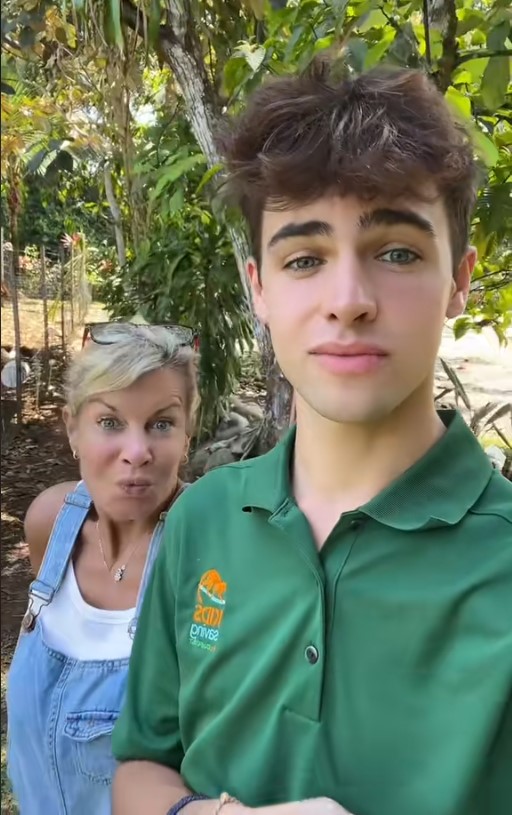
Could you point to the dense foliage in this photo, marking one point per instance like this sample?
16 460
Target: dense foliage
124 97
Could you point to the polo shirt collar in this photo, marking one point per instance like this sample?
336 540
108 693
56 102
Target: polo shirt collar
438 490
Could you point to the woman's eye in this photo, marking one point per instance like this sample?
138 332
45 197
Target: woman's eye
304 264
163 425
399 256
108 423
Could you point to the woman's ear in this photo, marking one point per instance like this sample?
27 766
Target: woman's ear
70 422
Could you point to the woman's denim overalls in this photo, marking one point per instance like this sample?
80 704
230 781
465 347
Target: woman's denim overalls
61 711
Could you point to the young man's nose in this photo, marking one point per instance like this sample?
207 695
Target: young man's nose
349 292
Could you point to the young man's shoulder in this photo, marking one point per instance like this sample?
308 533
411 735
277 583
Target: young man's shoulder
495 502
226 480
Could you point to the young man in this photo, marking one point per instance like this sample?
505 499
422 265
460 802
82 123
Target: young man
329 626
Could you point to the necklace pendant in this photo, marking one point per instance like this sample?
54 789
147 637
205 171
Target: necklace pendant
119 574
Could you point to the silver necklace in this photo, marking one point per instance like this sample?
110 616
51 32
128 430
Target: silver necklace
119 572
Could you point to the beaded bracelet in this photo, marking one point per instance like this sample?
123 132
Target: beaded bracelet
188 799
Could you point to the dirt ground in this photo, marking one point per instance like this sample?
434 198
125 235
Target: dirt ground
31 322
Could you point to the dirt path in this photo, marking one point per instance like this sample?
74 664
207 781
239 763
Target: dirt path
483 366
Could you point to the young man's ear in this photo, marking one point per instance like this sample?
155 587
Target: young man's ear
461 283
258 297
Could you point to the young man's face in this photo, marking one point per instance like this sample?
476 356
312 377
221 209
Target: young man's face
355 295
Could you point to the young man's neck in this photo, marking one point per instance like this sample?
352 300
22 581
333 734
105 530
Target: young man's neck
339 467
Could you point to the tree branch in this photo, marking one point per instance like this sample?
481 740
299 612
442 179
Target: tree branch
448 61
116 214
426 26
136 19
466 56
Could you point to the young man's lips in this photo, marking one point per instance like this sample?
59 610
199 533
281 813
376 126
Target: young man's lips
356 358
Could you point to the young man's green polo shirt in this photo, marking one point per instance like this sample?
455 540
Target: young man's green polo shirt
377 672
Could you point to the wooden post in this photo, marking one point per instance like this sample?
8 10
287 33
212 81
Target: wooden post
62 304
46 337
2 255
17 334
72 286
84 288
44 296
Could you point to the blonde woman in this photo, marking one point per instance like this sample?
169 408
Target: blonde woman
131 399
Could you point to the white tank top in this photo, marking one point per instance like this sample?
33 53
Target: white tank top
80 631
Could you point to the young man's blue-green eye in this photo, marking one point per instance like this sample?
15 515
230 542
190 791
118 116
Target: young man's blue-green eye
304 263
400 256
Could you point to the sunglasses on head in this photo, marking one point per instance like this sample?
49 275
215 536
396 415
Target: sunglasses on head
105 333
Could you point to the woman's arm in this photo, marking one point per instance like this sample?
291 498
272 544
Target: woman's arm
40 519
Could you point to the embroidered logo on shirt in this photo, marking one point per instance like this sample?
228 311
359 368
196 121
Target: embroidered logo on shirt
209 611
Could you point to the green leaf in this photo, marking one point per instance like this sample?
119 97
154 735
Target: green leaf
469 19
375 54
323 43
235 72
357 49
176 202
253 55
155 13
459 102
375 19
207 177
476 68
478 38
113 26
495 82
174 172
485 147
461 327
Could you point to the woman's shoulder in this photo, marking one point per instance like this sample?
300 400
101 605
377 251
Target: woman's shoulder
40 518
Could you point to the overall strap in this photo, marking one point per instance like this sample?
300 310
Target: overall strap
153 550
65 532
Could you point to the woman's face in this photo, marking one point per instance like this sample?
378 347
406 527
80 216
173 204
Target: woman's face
130 444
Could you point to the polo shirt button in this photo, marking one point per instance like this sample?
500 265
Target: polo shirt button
356 523
311 654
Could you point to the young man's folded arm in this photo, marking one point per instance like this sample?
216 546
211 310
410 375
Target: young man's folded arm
146 739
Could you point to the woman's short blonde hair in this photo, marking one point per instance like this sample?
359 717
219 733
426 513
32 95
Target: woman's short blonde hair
130 353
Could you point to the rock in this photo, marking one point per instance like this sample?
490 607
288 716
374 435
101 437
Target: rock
198 462
230 426
218 458
244 441
250 410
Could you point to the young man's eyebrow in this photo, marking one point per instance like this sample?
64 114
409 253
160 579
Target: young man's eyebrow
301 230
393 217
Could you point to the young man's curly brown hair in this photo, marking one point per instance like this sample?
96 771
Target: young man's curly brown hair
388 132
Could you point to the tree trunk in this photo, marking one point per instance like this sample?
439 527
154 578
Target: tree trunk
180 48
116 215
278 399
